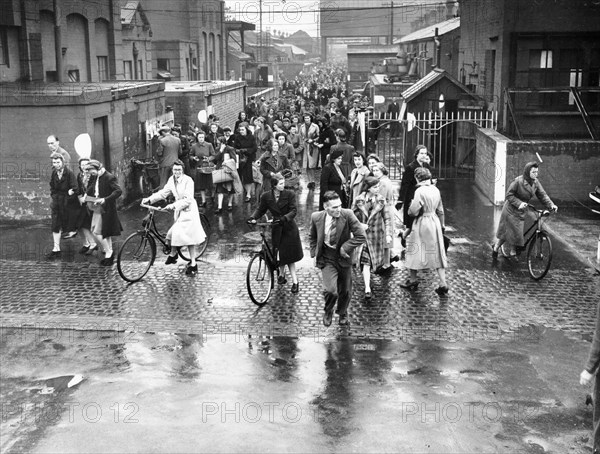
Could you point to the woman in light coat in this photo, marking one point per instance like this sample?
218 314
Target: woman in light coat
187 229
370 209
425 243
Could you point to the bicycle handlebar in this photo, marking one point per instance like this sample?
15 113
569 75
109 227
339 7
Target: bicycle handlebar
541 212
151 207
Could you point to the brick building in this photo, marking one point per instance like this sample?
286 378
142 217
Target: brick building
188 39
521 47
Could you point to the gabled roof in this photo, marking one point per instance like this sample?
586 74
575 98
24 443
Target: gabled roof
128 13
430 79
429 32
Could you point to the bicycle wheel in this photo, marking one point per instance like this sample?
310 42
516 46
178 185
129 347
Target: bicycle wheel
136 256
143 186
539 255
200 247
259 280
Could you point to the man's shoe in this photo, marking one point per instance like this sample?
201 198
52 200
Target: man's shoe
344 320
410 285
108 261
441 291
84 249
171 259
295 288
91 249
327 318
53 255
69 235
281 279
191 269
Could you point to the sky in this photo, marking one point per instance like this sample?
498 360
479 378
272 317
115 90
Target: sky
287 15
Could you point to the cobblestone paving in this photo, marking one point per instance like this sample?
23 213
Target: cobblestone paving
492 304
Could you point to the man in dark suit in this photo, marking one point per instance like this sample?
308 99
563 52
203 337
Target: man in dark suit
334 233
393 113
169 148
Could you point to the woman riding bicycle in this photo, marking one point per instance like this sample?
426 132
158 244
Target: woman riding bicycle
281 203
512 219
187 229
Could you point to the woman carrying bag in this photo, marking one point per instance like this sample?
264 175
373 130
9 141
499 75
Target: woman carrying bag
226 161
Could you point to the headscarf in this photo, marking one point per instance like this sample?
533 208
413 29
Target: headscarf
527 171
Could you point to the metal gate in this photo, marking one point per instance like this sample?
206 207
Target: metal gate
449 137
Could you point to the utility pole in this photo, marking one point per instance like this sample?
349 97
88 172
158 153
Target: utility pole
260 32
391 24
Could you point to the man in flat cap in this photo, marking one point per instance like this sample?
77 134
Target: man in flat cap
104 188
169 148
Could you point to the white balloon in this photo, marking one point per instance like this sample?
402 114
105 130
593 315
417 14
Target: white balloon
83 145
202 116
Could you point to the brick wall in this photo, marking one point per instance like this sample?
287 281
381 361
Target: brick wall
569 170
25 167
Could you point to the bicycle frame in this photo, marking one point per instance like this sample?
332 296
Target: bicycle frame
268 252
150 226
537 225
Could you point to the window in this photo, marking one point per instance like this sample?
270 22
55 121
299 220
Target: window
102 68
73 75
127 69
540 59
4 55
163 64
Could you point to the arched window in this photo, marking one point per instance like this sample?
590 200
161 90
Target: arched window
76 49
48 51
102 49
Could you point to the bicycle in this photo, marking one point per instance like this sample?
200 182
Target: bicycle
146 182
538 245
259 274
138 251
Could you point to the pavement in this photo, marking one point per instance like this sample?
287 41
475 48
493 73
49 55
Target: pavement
503 350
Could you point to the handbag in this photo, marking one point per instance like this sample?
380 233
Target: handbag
257 176
221 176
447 243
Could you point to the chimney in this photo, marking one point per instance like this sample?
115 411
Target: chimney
451 8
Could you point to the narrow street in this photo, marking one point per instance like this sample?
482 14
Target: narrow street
491 368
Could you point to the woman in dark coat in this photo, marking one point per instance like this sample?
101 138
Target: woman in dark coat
326 139
271 163
202 152
334 179
84 217
408 186
245 147
281 203
512 219
63 193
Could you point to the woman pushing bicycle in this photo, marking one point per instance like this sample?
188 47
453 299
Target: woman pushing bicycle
281 203
512 220
187 229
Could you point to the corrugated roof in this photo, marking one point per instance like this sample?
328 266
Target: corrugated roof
239 54
429 32
295 49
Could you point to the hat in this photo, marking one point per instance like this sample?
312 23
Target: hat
336 154
226 129
95 164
